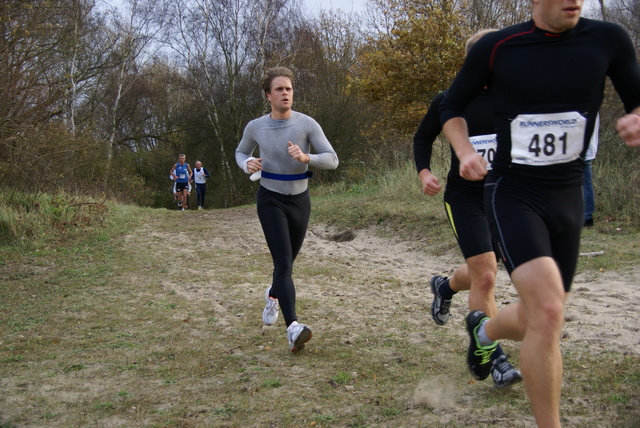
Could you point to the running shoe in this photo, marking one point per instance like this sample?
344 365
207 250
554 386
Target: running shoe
298 335
503 373
270 313
478 356
439 306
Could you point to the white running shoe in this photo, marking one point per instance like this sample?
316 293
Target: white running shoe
270 313
298 335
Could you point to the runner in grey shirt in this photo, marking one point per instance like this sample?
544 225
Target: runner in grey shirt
273 137
284 138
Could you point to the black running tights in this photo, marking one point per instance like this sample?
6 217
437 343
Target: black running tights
284 220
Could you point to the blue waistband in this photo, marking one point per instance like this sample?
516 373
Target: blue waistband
287 177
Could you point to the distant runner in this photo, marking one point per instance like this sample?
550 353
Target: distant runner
182 173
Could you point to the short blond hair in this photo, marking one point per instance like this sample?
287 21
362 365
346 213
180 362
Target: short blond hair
477 36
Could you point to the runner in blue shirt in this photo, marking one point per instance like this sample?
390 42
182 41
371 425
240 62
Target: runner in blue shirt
182 173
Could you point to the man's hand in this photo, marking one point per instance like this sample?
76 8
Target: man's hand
473 167
430 183
296 153
628 127
254 165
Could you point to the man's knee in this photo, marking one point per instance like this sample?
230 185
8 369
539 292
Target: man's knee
483 270
484 282
546 318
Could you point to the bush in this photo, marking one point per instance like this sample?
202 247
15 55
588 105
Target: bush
8 229
31 218
616 180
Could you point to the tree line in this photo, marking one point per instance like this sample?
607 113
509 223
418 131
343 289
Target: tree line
101 99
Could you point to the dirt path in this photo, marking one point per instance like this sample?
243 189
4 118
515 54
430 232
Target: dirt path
603 311
163 328
356 287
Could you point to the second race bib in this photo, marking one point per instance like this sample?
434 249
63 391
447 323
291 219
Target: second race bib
485 145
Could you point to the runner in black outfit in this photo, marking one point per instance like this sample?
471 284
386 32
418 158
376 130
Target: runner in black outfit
546 80
464 205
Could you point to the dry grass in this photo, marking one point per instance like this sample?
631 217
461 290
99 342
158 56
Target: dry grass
155 322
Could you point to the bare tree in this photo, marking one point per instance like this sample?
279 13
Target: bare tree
495 13
223 46
86 60
33 42
130 35
627 14
327 52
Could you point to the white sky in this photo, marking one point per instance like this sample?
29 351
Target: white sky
360 5
312 5
346 5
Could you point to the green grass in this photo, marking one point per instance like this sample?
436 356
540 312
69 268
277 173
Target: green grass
394 203
118 319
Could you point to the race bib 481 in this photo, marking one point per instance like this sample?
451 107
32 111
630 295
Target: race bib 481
547 139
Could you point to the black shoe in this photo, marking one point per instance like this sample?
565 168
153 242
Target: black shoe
588 222
478 356
439 306
503 373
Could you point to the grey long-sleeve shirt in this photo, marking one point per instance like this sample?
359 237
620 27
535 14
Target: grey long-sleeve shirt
272 137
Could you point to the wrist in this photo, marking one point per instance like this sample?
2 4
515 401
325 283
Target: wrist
424 172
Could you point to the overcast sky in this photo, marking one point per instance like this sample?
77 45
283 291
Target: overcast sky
312 6
360 5
345 5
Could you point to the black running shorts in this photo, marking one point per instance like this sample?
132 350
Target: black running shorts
465 210
182 186
528 221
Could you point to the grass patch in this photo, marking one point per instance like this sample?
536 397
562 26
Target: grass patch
393 203
27 219
125 320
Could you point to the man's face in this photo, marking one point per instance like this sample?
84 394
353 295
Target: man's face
556 15
181 159
281 95
198 164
